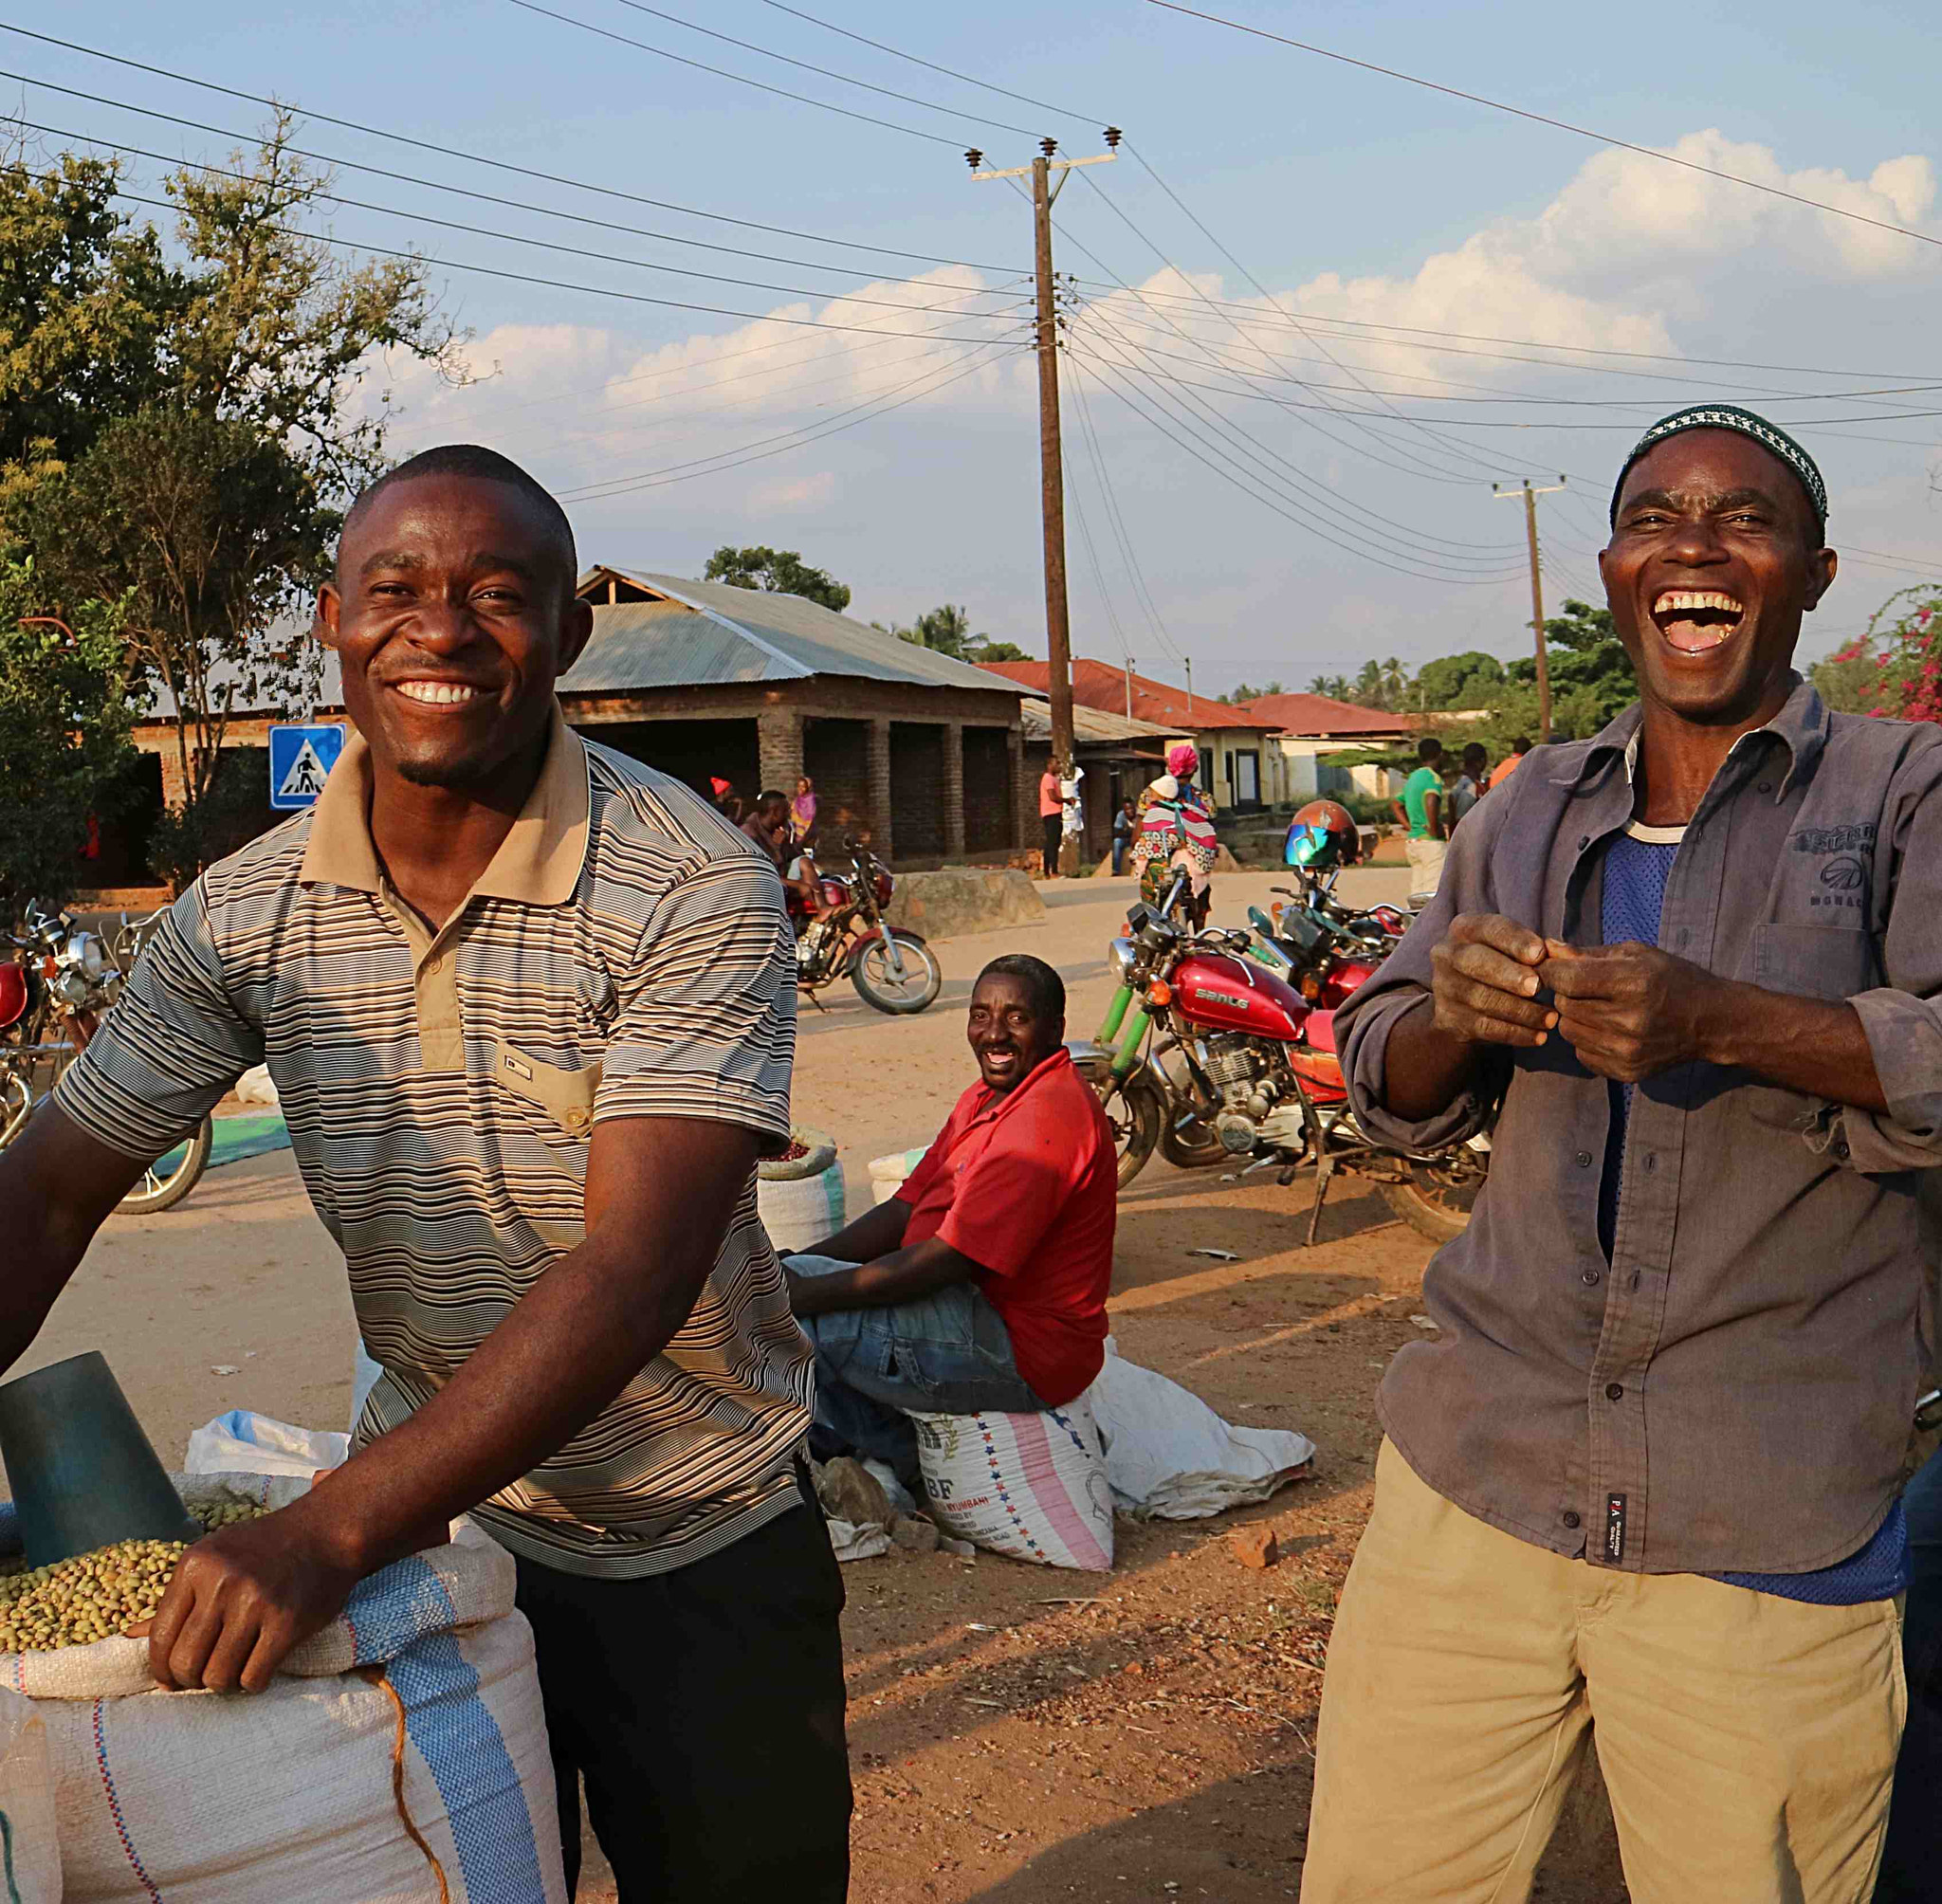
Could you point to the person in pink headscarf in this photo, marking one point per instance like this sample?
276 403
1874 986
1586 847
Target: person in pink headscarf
1177 831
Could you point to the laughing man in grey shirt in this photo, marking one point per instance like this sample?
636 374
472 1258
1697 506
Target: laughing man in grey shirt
1648 1474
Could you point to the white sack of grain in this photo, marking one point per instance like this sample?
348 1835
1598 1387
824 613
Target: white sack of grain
28 1841
399 1757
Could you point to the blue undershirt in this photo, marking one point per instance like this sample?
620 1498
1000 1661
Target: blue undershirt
1638 864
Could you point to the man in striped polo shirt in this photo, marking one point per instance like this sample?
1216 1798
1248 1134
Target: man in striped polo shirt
530 1007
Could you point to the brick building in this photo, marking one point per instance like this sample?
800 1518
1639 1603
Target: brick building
920 753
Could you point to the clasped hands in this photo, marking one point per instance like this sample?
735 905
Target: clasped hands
1628 1011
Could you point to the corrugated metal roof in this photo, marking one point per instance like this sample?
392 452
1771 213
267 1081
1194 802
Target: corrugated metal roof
1092 725
757 637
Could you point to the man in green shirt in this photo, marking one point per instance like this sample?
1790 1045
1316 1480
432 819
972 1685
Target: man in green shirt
1422 810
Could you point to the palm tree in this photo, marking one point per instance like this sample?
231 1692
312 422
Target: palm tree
1395 683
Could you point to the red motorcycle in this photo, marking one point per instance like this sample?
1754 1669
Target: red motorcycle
891 968
1208 1057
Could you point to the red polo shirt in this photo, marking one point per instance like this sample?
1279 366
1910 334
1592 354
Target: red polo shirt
1027 1186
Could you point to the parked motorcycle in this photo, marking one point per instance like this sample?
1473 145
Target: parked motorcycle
53 995
1320 945
1242 1067
892 969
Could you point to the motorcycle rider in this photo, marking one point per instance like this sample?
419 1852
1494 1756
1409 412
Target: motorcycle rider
768 826
1650 1464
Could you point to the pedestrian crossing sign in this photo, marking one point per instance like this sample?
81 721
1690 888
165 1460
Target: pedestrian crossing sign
300 758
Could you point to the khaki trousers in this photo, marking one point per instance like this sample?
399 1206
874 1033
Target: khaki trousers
1748 1742
1427 868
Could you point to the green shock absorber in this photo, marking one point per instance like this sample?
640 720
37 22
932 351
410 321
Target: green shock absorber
1133 1037
1115 1014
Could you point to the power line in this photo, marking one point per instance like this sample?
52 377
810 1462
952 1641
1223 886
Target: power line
429 184
1326 498
555 283
537 244
844 420
498 164
1560 125
844 78
1228 474
740 79
950 72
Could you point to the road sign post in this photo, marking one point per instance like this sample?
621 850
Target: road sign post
300 758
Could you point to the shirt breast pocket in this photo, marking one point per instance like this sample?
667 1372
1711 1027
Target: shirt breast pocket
565 1096
1815 961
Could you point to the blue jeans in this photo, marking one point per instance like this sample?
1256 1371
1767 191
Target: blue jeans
1912 1863
947 1353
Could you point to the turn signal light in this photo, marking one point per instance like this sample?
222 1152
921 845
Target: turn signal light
1160 993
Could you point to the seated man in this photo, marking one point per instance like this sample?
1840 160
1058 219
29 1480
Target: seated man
982 1282
767 825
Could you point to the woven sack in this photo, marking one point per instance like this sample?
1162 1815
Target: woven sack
399 1756
29 1852
1032 1486
801 1199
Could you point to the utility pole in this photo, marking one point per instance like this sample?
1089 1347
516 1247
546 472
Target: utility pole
1052 477
1189 660
1130 687
1543 669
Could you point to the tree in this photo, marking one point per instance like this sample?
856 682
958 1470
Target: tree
1242 693
947 631
1332 687
63 735
779 571
1894 667
203 528
1469 680
196 464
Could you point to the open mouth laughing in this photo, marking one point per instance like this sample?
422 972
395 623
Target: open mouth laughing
1694 621
440 694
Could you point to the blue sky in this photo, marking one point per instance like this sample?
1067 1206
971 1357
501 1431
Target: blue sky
1362 204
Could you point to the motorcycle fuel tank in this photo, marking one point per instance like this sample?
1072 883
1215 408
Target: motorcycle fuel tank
1231 995
1342 978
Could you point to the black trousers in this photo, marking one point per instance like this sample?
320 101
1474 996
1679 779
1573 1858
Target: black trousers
1055 825
705 1710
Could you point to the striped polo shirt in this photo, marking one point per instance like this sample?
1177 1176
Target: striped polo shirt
626 954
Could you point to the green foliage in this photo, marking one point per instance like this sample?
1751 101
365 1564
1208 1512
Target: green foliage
1242 693
779 571
1335 687
1469 680
1382 684
205 528
180 428
1894 669
947 631
63 736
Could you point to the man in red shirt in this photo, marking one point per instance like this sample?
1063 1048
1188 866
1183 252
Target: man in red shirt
982 1282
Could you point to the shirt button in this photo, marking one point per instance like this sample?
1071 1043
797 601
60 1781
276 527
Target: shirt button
1583 841
1652 1160
1615 1391
1685 936
1766 786
1585 1160
574 1120
1571 1520
434 966
1590 1279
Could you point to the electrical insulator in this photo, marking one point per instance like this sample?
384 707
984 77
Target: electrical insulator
1113 135
1048 146
974 159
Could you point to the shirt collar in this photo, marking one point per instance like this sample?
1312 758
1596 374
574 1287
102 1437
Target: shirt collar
1801 726
537 863
994 1104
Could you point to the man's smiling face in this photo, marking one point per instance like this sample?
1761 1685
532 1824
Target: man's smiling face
1715 557
1008 1035
452 615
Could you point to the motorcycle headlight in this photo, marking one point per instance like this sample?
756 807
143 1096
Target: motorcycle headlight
1119 960
86 951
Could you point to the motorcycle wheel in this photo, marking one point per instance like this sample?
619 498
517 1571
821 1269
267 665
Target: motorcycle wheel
1436 1200
877 984
1189 1143
1135 1113
162 1188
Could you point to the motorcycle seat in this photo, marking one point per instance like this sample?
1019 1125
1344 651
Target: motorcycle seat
1319 1029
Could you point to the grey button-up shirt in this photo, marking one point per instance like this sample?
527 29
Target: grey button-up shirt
1732 1389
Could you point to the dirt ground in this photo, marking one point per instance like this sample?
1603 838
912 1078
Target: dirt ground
1019 1735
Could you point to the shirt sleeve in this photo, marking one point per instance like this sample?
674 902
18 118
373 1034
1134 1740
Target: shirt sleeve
173 1045
1402 985
1009 1197
708 1020
1903 1019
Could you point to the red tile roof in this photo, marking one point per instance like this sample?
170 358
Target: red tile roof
1318 714
1098 684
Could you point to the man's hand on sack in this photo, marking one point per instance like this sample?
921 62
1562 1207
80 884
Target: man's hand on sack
242 1599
